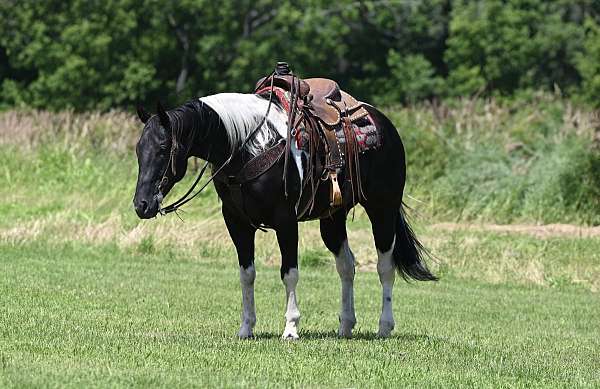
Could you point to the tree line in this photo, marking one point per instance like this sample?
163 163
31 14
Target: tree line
102 54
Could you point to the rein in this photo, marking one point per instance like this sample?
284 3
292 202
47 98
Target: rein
188 196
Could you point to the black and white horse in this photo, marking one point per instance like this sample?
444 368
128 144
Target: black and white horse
214 127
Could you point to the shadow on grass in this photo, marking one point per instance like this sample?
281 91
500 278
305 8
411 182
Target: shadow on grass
332 335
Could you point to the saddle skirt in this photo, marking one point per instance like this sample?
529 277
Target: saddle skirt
367 135
331 128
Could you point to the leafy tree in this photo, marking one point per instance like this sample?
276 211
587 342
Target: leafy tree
92 54
502 45
588 63
82 54
412 79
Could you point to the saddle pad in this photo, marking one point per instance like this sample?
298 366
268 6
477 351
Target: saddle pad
367 136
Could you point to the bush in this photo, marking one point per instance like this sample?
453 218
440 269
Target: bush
503 161
91 55
412 79
588 64
504 46
564 184
533 159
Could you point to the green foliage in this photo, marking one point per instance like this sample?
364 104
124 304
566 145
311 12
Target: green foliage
412 79
589 65
315 257
565 179
99 55
534 160
80 54
502 46
554 185
503 161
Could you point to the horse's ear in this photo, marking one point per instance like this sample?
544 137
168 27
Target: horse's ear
163 117
143 114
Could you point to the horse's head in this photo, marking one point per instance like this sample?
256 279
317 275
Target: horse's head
162 161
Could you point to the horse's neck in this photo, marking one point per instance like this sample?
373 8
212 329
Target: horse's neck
210 141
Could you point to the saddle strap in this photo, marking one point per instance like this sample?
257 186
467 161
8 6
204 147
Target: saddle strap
335 155
260 164
253 169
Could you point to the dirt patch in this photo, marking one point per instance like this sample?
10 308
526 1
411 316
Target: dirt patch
541 231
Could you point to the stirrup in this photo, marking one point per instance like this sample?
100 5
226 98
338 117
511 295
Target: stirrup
336 193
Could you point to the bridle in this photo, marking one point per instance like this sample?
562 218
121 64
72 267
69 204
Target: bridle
173 156
172 165
189 195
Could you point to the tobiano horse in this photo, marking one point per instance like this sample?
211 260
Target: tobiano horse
227 130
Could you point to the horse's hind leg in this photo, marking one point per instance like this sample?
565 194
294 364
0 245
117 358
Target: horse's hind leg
383 224
333 232
242 235
288 244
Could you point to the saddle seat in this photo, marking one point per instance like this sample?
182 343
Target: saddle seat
322 97
327 115
329 103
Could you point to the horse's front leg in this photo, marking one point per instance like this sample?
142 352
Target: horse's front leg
287 237
242 235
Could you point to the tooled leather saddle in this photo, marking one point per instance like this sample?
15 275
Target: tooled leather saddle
326 118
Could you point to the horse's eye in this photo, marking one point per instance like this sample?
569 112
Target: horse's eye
163 147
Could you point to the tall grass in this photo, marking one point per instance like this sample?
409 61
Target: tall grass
534 160
69 178
32 130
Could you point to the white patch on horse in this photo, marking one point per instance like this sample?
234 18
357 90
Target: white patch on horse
241 113
247 277
344 263
292 314
387 273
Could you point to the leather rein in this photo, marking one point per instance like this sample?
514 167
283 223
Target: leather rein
189 195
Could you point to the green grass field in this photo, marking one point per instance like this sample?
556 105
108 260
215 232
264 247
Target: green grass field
80 315
91 296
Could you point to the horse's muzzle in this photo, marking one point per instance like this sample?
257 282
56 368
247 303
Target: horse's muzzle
146 209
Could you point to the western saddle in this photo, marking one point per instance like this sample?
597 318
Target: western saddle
323 97
319 107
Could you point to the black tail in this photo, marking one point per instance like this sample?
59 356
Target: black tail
409 253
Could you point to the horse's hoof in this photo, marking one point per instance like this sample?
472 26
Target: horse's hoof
345 330
345 333
245 334
290 336
385 329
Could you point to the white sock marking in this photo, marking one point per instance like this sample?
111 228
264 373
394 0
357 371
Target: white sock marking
344 263
387 274
292 314
247 277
